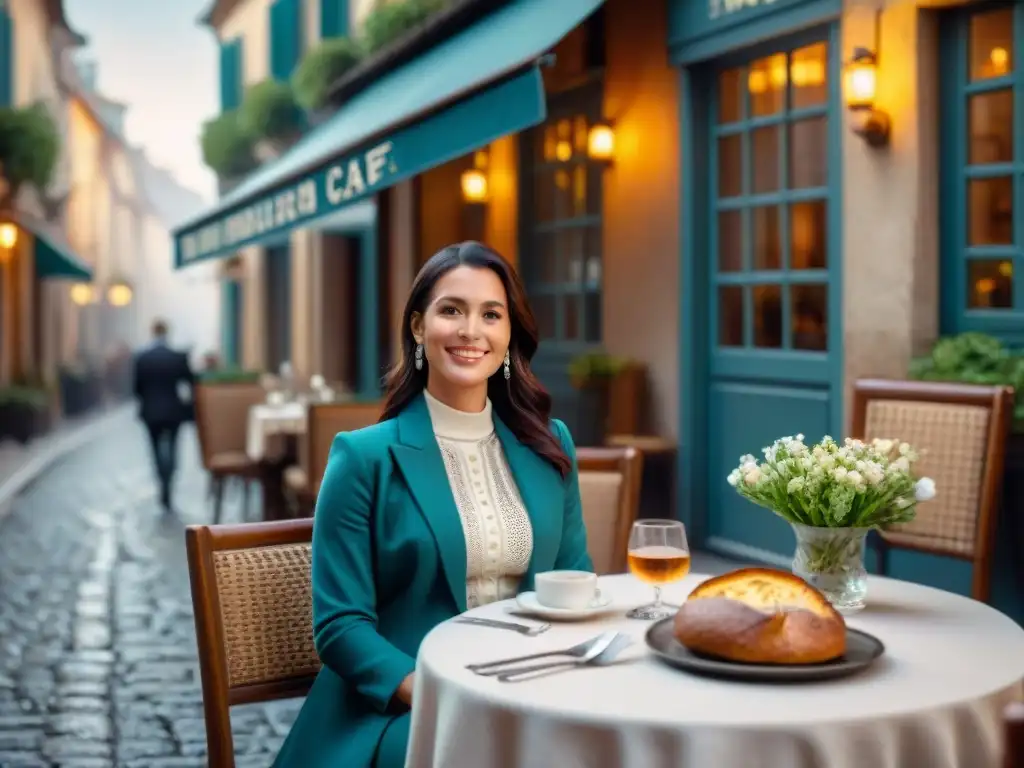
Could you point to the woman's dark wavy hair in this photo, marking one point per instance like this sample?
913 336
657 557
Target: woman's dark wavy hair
521 402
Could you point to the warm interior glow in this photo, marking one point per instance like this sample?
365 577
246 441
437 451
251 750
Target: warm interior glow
563 151
1000 59
119 295
601 142
8 235
81 294
474 186
1006 269
861 82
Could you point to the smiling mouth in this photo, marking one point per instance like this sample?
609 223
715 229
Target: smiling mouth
466 353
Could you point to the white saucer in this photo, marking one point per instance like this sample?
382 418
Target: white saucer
527 603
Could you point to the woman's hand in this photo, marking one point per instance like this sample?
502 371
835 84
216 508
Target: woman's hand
404 692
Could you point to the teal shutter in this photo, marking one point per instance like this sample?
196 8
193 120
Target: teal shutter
285 38
231 322
333 18
6 57
230 74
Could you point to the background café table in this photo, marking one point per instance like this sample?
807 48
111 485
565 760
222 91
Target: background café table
933 700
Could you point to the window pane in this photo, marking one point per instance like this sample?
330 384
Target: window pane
989 284
808 153
592 256
809 319
991 44
765 147
592 308
990 215
730 96
569 243
730 166
768 316
730 241
570 317
544 312
766 83
808 75
990 129
808 235
730 316
545 268
767 249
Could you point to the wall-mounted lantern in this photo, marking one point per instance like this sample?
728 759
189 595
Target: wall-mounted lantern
8 238
861 83
474 180
601 142
119 294
82 294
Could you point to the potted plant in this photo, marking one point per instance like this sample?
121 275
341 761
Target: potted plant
391 20
325 63
832 495
228 149
230 376
591 374
270 114
21 410
29 147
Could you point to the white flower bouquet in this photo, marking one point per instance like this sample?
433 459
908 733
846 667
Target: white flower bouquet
854 485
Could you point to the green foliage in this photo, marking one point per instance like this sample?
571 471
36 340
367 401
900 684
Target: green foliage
269 111
36 398
230 376
29 146
598 368
974 358
321 68
391 19
227 146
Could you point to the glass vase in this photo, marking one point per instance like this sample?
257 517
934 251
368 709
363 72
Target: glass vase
832 561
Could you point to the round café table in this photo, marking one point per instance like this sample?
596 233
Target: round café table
932 701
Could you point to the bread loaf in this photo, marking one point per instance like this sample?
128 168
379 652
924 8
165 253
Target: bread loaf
762 616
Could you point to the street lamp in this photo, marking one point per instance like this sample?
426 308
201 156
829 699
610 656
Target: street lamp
119 294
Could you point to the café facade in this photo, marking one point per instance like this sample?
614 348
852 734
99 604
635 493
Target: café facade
761 201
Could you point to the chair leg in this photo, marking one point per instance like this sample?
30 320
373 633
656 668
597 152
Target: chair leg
218 500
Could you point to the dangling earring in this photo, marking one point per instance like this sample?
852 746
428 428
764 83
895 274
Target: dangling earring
508 366
419 357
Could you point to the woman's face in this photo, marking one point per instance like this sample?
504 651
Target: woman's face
464 329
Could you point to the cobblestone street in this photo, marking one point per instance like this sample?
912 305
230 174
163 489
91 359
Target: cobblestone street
97 647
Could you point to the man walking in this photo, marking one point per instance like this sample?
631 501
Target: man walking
159 374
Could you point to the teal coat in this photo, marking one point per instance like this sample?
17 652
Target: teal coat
389 564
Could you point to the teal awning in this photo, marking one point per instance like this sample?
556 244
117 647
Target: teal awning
480 85
54 258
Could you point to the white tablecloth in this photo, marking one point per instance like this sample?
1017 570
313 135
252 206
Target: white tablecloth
932 701
269 421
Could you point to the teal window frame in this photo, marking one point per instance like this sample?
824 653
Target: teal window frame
334 18
956 173
544 282
286 35
231 74
7 57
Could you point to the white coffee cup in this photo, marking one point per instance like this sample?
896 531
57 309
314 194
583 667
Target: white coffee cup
568 590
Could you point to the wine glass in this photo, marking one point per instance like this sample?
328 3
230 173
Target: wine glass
658 555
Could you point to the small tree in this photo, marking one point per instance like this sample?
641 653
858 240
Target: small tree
391 19
227 146
29 146
321 68
269 111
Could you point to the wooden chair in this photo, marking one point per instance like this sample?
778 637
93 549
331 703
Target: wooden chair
252 599
1013 730
610 492
222 422
324 422
961 431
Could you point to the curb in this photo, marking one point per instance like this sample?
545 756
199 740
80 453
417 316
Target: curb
76 437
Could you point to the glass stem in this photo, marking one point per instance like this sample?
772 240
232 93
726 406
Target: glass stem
657 597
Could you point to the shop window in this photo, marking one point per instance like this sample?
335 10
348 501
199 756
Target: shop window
560 217
983 171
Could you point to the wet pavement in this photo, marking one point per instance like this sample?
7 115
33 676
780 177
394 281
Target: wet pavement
98 665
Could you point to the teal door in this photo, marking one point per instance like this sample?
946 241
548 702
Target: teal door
772 269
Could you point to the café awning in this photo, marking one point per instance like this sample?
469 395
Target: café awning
477 86
54 258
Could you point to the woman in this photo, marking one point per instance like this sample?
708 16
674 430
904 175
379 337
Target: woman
462 492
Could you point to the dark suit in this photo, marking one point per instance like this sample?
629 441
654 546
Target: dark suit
159 373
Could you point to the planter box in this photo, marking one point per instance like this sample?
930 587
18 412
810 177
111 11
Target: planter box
20 421
592 416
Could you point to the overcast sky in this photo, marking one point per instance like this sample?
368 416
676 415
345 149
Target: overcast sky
153 56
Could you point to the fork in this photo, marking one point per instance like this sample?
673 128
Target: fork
523 629
586 649
606 656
